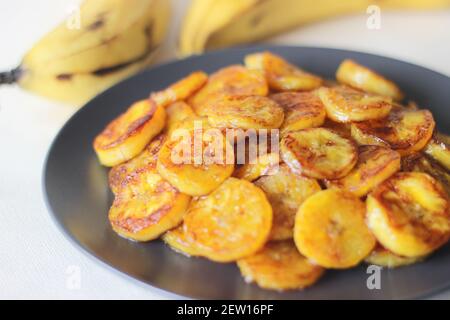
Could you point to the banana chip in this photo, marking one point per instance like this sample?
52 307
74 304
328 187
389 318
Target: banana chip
180 241
363 78
439 151
280 74
375 164
127 135
177 113
409 214
231 223
301 110
330 229
384 258
318 153
344 104
286 191
180 90
403 130
279 266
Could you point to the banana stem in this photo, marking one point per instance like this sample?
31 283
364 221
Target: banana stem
10 77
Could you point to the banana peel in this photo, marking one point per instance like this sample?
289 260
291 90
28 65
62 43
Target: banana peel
116 39
213 24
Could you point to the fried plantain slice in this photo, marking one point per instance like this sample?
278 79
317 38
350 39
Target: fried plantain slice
358 76
345 104
133 172
231 223
419 163
330 229
180 241
180 90
196 159
280 74
403 130
249 112
176 113
409 214
383 257
235 80
145 211
301 110
266 164
439 150
375 164
286 191
279 266
318 153
127 135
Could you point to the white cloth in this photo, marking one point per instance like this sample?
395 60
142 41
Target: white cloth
36 260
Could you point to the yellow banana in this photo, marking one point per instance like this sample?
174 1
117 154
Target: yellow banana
115 39
221 23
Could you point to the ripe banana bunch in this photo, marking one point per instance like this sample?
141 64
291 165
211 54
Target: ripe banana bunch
213 24
115 39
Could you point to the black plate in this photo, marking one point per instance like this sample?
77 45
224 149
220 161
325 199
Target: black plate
77 191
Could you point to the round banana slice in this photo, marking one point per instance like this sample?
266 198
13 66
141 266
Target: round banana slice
196 159
344 104
127 135
286 191
409 214
301 110
180 241
375 164
438 150
382 257
180 90
176 113
232 222
330 229
133 172
318 153
266 164
251 112
235 81
363 78
147 210
279 266
405 131
280 74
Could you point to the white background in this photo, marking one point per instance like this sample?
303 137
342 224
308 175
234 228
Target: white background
35 259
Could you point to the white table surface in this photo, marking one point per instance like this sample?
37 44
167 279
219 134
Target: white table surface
36 260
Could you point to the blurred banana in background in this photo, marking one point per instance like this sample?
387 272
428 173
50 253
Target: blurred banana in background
116 38
211 24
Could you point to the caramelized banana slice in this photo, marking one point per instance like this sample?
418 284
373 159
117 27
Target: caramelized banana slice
363 78
382 257
280 74
180 241
419 163
127 135
232 222
180 90
196 159
439 151
409 214
330 229
286 191
234 81
342 129
318 153
301 110
134 171
279 266
251 112
403 130
375 164
266 164
147 210
344 104
176 113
